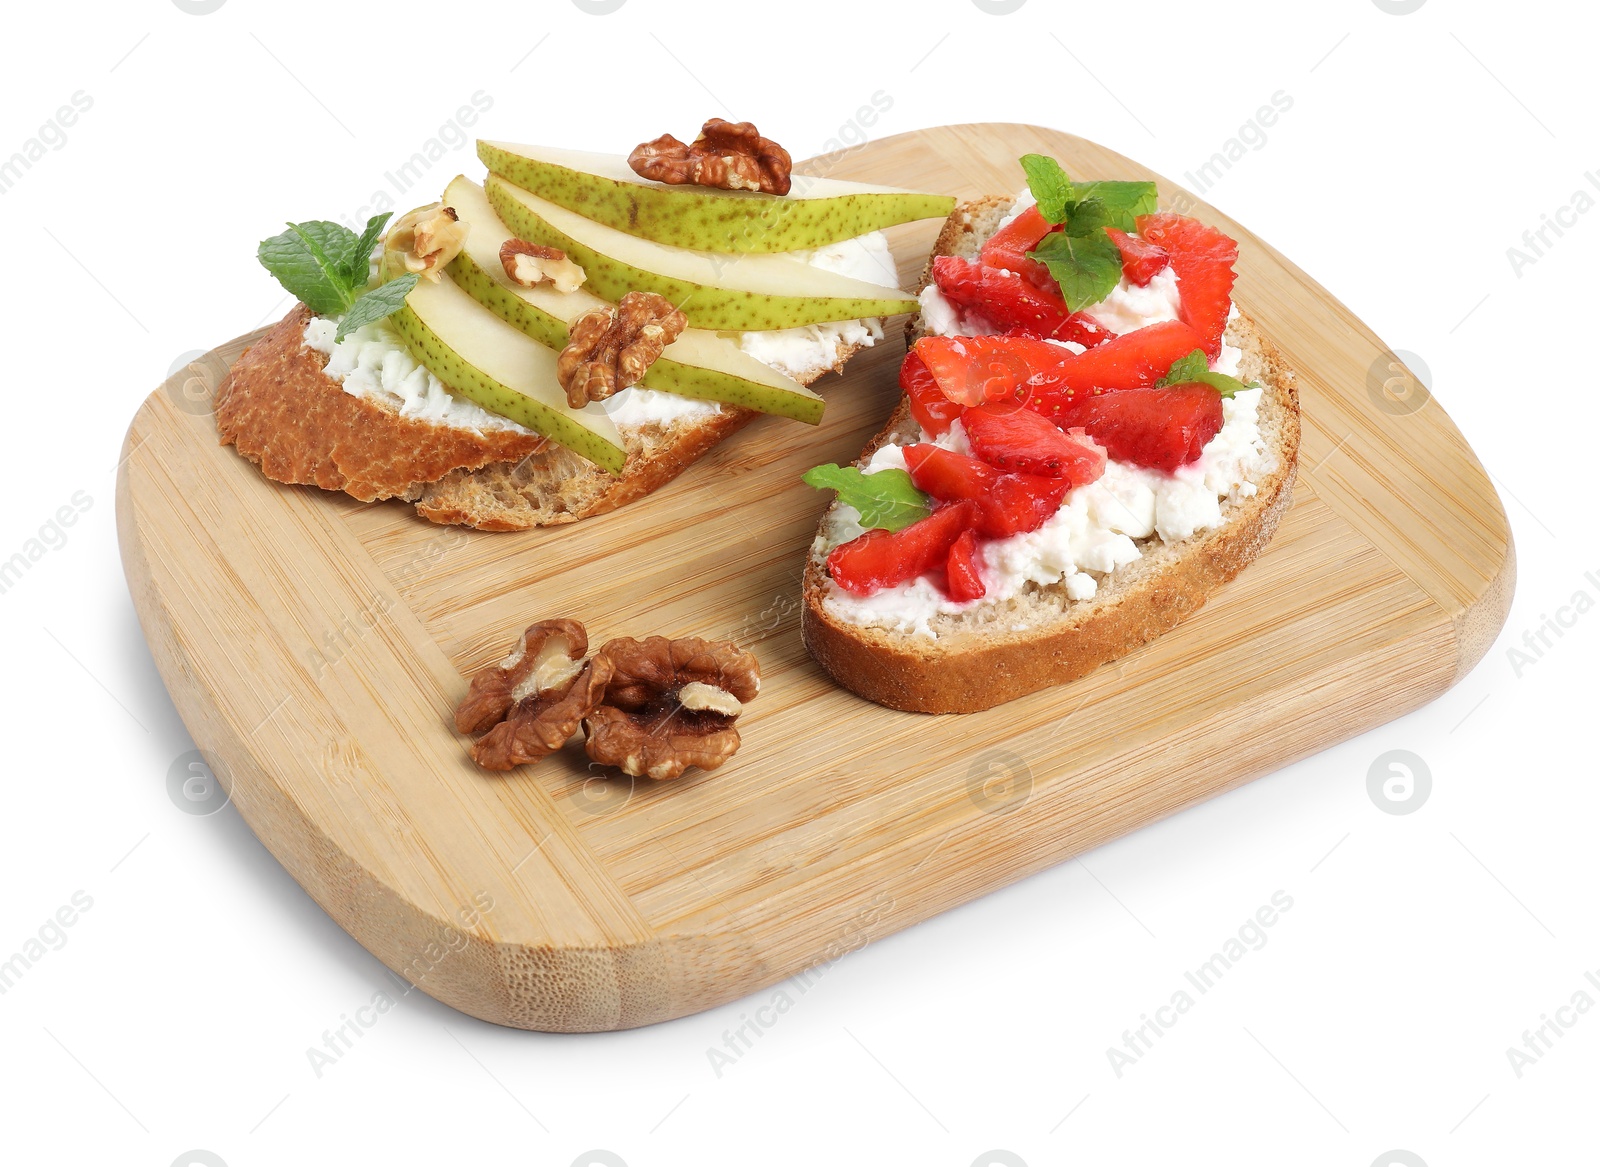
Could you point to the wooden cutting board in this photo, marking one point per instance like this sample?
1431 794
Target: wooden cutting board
315 648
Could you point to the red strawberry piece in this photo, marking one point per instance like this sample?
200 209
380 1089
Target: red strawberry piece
1006 504
932 409
1159 428
1142 260
1011 438
1010 301
1133 360
962 581
973 369
1079 328
1008 248
1203 257
881 559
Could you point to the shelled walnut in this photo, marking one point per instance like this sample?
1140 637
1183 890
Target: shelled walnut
426 239
670 705
529 704
610 349
653 707
532 264
726 156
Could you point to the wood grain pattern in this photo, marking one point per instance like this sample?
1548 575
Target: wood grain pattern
315 648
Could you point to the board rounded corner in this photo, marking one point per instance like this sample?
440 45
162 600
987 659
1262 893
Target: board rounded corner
1479 622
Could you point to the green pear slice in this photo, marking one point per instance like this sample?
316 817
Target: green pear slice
602 187
698 364
484 359
735 293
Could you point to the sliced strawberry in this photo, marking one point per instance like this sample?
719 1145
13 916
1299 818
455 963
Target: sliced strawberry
1010 300
1159 428
1010 438
1079 328
881 559
973 369
1133 360
1006 504
1008 247
962 580
1203 257
932 409
1142 260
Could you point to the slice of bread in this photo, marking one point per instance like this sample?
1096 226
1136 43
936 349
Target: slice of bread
281 411
996 652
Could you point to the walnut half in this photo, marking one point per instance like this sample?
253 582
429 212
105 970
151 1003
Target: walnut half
726 155
531 264
426 239
534 699
670 705
609 349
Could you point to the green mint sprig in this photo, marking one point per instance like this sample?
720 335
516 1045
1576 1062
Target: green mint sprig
886 498
1192 368
1081 256
326 267
1086 267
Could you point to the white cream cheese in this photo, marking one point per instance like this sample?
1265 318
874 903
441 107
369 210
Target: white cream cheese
797 352
1021 203
1093 533
374 362
942 318
636 408
1130 307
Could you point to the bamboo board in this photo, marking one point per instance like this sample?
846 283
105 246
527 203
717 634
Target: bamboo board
316 647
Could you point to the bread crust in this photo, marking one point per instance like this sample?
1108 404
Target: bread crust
971 670
280 410
283 412
553 485
504 497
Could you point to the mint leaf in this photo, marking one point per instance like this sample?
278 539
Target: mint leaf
1192 368
1051 187
1087 216
358 264
886 498
1086 267
382 301
1185 369
1116 204
309 261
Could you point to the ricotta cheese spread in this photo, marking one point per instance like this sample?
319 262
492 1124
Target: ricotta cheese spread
374 362
942 318
797 352
636 408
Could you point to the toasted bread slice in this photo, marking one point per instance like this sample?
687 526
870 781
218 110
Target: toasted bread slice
998 651
280 410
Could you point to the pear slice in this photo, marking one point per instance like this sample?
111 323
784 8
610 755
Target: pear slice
484 359
602 187
698 364
737 293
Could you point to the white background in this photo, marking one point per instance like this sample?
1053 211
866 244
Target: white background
178 1011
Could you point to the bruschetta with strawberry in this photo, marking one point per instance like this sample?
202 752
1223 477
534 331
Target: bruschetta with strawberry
1091 440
